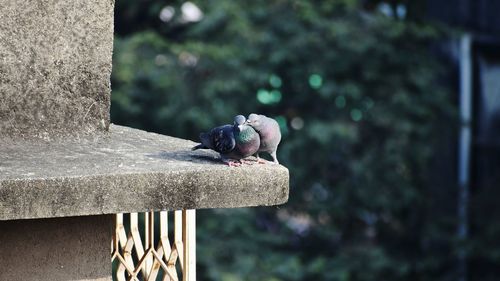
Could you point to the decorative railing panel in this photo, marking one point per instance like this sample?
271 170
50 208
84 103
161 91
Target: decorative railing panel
142 258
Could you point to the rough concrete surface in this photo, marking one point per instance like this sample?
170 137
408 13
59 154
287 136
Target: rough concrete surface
126 170
55 66
58 249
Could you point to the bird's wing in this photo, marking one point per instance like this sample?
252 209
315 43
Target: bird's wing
223 139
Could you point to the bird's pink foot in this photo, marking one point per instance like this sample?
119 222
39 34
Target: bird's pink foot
261 161
232 163
243 161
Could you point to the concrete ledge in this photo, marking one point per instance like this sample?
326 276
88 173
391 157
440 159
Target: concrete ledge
126 170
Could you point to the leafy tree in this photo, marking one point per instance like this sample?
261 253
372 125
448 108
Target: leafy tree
361 108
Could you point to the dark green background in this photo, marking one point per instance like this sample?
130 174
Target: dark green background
376 111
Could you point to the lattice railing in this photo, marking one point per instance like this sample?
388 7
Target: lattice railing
136 254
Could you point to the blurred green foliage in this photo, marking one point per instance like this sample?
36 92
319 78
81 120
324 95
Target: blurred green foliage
361 109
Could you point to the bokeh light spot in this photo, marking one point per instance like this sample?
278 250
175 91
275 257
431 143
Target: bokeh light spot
167 13
263 96
315 81
340 101
275 96
275 81
356 115
187 59
401 11
191 12
268 97
297 123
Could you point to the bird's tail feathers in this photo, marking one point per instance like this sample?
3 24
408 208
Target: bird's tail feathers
199 146
205 142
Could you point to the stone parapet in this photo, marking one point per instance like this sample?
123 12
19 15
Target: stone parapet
55 67
126 170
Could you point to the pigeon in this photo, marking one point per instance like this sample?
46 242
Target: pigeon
233 142
269 132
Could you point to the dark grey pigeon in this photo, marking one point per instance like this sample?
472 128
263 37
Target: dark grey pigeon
269 132
233 142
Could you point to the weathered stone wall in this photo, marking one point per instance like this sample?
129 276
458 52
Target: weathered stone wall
55 66
61 249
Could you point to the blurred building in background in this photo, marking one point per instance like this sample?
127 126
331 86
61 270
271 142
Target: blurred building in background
480 20
476 58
